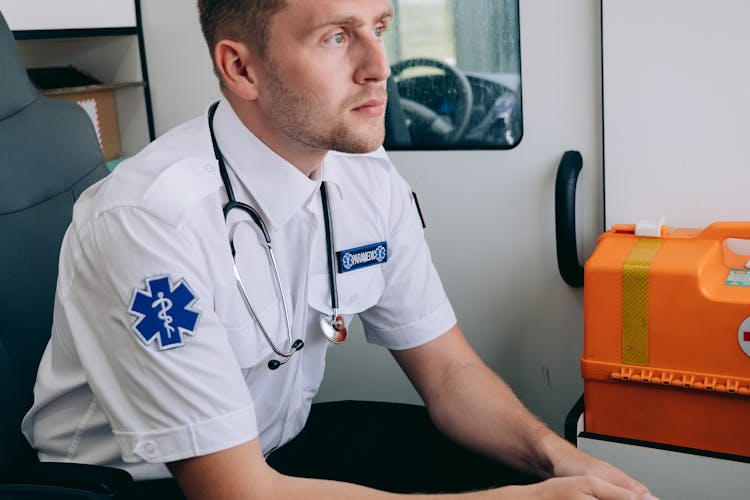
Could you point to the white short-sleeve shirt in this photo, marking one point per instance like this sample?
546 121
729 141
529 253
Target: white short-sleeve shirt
154 356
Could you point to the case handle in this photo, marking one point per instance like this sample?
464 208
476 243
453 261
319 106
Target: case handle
724 230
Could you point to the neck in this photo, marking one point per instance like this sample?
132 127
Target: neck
305 158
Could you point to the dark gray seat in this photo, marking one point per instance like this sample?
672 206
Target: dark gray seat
49 154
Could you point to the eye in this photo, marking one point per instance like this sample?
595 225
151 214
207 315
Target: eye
381 28
336 39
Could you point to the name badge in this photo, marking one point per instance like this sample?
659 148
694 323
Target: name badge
357 258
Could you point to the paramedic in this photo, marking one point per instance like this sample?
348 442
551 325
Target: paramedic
158 363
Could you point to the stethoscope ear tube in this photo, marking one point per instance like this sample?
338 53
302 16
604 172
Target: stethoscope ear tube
251 212
243 292
275 363
333 326
331 251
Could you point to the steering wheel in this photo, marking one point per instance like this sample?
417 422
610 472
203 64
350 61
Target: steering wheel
445 125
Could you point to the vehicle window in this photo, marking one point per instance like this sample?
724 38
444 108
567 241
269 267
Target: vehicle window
456 74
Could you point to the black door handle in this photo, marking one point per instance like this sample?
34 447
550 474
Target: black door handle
565 218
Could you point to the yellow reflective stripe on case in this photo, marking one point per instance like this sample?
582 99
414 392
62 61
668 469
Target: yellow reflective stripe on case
635 272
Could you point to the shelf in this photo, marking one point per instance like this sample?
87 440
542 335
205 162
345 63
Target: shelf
91 88
72 33
104 42
74 15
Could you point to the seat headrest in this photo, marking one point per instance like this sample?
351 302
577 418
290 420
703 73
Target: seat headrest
16 90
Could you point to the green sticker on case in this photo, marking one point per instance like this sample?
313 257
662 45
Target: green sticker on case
738 277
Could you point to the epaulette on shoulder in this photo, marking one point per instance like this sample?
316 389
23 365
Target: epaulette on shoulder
179 186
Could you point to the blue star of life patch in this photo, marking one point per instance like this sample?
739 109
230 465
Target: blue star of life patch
163 312
368 255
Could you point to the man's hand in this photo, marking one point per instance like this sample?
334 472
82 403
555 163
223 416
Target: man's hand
568 460
577 487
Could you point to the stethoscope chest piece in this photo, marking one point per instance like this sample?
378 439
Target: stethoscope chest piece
333 328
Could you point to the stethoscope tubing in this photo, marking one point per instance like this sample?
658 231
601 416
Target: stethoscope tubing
331 250
231 204
243 291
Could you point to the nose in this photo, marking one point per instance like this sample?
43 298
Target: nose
372 62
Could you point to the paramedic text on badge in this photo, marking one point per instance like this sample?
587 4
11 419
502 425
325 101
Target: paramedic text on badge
368 255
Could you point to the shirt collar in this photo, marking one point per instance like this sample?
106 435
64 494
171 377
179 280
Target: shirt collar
278 187
328 173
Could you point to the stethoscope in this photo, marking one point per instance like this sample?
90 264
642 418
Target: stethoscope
332 326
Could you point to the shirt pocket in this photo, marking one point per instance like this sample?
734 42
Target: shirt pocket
243 331
357 291
250 345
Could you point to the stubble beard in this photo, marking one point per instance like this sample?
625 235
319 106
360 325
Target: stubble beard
301 118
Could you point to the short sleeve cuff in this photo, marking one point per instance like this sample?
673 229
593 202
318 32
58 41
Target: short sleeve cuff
414 334
190 440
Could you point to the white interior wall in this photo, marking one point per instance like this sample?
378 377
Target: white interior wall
676 103
71 14
179 65
490 214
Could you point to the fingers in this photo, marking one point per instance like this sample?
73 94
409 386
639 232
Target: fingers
570 461
580 488
605 490
619 478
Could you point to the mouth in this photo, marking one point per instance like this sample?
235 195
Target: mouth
372 107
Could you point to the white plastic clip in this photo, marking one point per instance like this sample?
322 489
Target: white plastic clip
649 228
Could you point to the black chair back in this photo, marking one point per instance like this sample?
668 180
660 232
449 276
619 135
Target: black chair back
49 153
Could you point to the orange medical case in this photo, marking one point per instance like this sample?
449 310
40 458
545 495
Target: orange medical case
667 338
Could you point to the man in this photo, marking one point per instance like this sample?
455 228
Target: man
183 344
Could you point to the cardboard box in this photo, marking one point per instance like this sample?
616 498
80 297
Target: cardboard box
100 106
667 338
95 98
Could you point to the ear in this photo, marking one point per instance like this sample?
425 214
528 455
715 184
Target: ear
236 65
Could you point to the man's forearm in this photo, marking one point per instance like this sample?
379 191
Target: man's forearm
477 409
242 473
474 407
311 489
